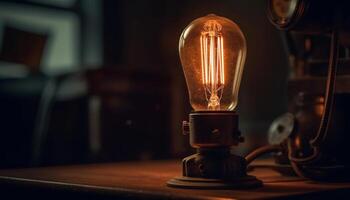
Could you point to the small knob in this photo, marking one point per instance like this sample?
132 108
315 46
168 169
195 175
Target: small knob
185 127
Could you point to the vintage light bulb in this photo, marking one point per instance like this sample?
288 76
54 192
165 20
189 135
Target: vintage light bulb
212 52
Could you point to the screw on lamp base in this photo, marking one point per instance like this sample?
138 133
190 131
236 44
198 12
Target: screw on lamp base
213 166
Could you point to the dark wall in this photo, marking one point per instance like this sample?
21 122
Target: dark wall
131 106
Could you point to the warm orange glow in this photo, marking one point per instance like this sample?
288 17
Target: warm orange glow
212 51
297 142
319 107
212 55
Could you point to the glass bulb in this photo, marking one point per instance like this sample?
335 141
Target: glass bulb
212 52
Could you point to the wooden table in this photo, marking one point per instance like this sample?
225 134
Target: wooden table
146 180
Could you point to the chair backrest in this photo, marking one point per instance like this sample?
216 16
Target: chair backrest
23 47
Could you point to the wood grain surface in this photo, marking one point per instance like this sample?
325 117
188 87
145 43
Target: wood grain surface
147 180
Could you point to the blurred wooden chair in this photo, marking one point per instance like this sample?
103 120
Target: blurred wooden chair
25 101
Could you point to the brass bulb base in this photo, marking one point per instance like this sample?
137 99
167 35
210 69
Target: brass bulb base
213 166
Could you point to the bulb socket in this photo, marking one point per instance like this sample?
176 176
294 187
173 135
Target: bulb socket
209 129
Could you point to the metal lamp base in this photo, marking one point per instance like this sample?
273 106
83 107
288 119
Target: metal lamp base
213 166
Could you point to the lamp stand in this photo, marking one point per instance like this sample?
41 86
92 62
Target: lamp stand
212 133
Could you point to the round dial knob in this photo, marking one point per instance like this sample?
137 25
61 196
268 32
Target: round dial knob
284 13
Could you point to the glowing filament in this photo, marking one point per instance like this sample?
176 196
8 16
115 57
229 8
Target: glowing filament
212 55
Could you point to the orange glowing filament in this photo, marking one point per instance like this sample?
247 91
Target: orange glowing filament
212 55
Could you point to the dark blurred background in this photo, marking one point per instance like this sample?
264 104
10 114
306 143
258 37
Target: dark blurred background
97 81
